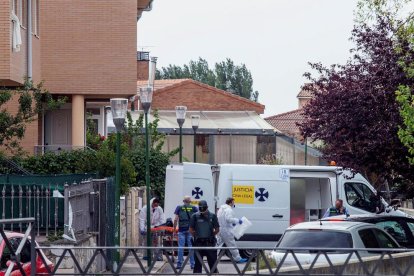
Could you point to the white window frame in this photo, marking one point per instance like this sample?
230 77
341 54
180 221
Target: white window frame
34 17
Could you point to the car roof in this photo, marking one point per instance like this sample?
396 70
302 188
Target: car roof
326 225
366 217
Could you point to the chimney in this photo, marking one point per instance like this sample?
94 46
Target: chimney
143 60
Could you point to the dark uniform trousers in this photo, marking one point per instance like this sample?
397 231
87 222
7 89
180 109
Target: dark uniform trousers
210 254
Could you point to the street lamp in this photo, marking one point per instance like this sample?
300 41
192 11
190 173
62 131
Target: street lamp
146 99
180 114
119 109
195 121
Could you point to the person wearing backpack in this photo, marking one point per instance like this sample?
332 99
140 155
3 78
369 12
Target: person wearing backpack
183 215
204 227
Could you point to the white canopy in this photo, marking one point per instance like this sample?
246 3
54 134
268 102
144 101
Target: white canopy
214 122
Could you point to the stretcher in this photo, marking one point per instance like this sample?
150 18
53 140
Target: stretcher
168 238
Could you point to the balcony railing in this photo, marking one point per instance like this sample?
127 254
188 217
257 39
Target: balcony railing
143 56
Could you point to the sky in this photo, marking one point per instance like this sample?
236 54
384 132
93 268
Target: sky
275 39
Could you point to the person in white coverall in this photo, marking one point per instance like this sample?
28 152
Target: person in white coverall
227 221
157 218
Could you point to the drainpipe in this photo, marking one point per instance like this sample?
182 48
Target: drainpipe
29 40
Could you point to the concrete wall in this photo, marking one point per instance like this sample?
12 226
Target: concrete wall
130 207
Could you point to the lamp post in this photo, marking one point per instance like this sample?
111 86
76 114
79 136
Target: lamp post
146 99
180 114
195 120
119 109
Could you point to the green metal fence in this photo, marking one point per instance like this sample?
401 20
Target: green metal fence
38 196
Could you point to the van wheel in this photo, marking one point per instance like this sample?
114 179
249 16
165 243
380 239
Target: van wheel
247 253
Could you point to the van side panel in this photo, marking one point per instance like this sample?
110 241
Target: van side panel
261 196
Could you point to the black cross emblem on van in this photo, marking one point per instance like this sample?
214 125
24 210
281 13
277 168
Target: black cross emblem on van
197 192
262 196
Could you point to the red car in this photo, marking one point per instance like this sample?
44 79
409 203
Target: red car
14 239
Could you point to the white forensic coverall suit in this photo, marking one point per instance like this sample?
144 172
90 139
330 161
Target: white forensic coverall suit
157 218
227 221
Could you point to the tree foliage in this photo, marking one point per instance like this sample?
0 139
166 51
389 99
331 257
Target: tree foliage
354 110
405 95
32 101
158 159
226 75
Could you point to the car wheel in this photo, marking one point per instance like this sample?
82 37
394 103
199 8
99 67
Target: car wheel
247 253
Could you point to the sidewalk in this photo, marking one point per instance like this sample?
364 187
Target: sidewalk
131 265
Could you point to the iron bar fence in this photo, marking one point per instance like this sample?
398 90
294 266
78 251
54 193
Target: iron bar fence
43 199
25 253
358 261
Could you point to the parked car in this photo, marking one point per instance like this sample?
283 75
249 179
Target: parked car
400 228
15 239
330 235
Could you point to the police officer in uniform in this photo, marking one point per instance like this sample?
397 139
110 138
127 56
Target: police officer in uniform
337 210
183 215
204 227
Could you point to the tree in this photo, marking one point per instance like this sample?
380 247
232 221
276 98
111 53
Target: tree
227 76
158 159
354 110
405 95
32 101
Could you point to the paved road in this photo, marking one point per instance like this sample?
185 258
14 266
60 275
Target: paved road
225 266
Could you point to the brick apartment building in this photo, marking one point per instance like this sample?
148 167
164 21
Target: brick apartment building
82 49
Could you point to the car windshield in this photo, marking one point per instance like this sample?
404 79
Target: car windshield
316 238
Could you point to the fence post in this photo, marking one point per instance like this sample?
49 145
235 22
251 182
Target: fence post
66 209
33 250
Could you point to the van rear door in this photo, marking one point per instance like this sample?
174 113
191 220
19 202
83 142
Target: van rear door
190 179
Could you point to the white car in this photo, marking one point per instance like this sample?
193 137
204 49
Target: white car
330 235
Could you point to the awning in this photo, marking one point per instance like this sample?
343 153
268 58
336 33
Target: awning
214 122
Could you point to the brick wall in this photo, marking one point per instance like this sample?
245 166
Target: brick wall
13 65
5 42
89 47
197 97
32 129
142 69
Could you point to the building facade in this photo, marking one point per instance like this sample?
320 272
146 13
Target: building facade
82 49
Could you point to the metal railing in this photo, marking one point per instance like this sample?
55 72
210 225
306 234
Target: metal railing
13 252
51 204
354 262
38 201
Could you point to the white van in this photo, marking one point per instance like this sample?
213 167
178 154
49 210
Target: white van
272 197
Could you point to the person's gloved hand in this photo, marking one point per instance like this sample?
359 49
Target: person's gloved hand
240 221
143 233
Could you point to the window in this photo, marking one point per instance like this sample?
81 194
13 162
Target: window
411 226
395 229
383 240
23 18
35 17
359 195
316 238
374 238
368 238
